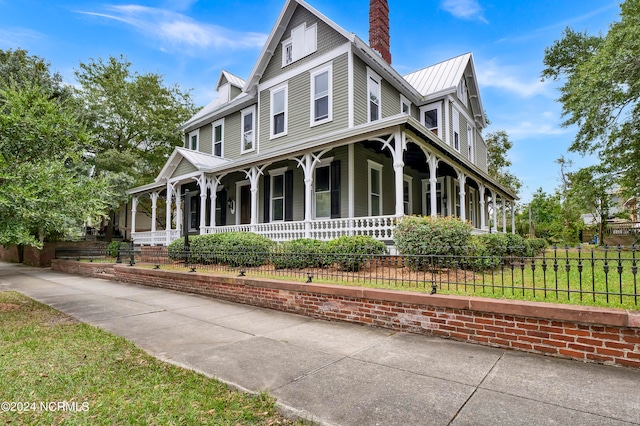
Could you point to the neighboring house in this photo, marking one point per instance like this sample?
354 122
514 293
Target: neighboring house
326 139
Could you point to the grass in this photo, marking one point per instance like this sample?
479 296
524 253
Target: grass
46 356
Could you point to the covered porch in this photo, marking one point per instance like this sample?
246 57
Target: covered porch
351 186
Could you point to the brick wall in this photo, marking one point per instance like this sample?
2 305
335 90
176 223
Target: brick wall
591 334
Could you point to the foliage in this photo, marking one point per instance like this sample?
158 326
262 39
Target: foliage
45 183
301 253
232 248
498 163
352 251
135 117
423 235
593 191
600 93
115 246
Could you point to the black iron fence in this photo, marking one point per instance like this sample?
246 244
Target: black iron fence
592 276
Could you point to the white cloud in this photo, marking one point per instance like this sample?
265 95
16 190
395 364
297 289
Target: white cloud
512 79
179 31
18 37
464 9
530 129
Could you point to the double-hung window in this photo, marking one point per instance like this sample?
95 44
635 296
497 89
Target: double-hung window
322 182
218 138
456 130
248 120
470 143
405 105
430 118
193 142
407 196
321 95
277 197
375 188
374 83
279 105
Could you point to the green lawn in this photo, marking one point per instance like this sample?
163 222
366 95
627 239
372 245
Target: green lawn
47 357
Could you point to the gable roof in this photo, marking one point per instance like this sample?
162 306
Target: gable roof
276 34
201 161
231 79
443 78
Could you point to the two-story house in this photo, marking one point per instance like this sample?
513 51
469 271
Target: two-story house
325 139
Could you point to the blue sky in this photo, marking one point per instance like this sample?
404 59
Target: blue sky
190 41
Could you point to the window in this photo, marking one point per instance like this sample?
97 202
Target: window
194 219
247 119
430 118
375 189
321 95
303 42
407 197
277 196
279 111
373 88
462 91
218 138
470 143
194 140
456 130
322 182
405 105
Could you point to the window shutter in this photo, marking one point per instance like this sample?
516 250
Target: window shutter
267 198
335 189
288 195
222 195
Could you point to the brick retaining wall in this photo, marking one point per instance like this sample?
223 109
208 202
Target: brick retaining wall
591 334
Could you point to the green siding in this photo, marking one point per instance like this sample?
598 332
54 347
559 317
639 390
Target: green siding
232 136
361 181
359 91
299 108
184 167
481 152
327 39
234 92
390 100
206 138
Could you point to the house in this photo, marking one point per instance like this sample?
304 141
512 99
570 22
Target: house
323 139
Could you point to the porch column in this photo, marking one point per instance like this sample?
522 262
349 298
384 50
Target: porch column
513 217
494 202
177 191
154 206
134 210
253 174
214 183
504 215
167 226
462 180
203 209
398 168
433 181
482 205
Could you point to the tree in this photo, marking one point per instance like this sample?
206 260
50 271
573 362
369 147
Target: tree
45 186
600 93
135 119
498 163
592 191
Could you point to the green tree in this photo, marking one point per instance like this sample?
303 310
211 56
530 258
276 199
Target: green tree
45 184
498 163
600 93
135 120
592 190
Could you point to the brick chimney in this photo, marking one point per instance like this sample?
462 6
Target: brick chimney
379 28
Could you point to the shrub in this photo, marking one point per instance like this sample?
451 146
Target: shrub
441 238
537 245
351 252
115 246
175 249
301 253
242 248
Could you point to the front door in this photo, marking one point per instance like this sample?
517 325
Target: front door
245 204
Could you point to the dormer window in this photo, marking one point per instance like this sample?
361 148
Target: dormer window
303 42
430 117
462 91
248 120
193 140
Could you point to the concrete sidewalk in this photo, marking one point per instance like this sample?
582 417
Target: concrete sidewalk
342 374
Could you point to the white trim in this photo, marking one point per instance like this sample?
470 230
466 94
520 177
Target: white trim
184 177
272 175
243 113
193 133
455 124
350 87
329 70
320 165
471 146
307 66
302 46
404 101
372 76
372 165
278 171
272 92
408 179
437 106
350 176
461 110
213 137
240 184
445 127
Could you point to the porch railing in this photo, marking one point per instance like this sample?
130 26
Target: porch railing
379 227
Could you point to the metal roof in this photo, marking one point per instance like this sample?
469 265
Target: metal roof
441 77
